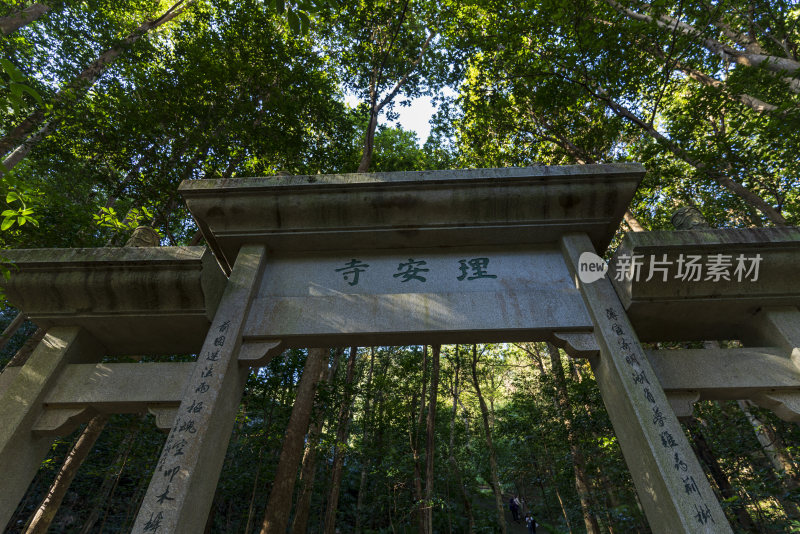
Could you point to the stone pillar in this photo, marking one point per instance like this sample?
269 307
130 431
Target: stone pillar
182 488
671 485
21 451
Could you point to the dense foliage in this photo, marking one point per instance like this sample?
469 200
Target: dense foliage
108 105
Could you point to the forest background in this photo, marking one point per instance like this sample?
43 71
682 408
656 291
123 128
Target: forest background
109 104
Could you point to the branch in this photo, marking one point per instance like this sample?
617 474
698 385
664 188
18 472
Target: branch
405 77
11 23
725 181
81 83
773 64
752 102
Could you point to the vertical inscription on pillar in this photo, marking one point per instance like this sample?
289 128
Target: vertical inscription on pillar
187 422
624 341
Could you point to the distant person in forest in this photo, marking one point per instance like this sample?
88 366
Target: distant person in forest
530 522
513 505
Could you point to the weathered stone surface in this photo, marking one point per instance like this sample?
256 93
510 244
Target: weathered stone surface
181 489
483 207
683 310
658 455
519 294
778 326
144 236
133 300
725 374
688 218
21 451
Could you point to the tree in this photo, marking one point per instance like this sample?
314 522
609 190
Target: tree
276 517
384 50
493 470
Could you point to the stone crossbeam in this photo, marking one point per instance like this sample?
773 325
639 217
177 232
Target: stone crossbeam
720 374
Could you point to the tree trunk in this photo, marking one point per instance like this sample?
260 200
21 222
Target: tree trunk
418 492
81 84
578 462
11 329
11 23
633 222
19 153
341 444
309 469
44 515
451 447
112 478
369 140
26 349
495 480
276 516
772 444
430 447
365 461
706 455
775 451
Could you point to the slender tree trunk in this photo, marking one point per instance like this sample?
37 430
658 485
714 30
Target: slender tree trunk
26 349
451 447
369 140
415 432
309 469
772 444
44 515
251 506
11 23
633 222
706 455
81 84
495 480
430 447
578 462
112 478
341 444
11 329
775 451
19 153
365 460
276 516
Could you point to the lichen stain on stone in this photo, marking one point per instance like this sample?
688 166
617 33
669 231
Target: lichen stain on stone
215 212
568 201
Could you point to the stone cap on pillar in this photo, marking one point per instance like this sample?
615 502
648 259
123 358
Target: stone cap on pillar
396 210
684 309
134 301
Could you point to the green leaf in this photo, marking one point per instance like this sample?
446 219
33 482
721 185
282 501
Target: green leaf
9 213
34 94
304 23
12 71
7 223
294 22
